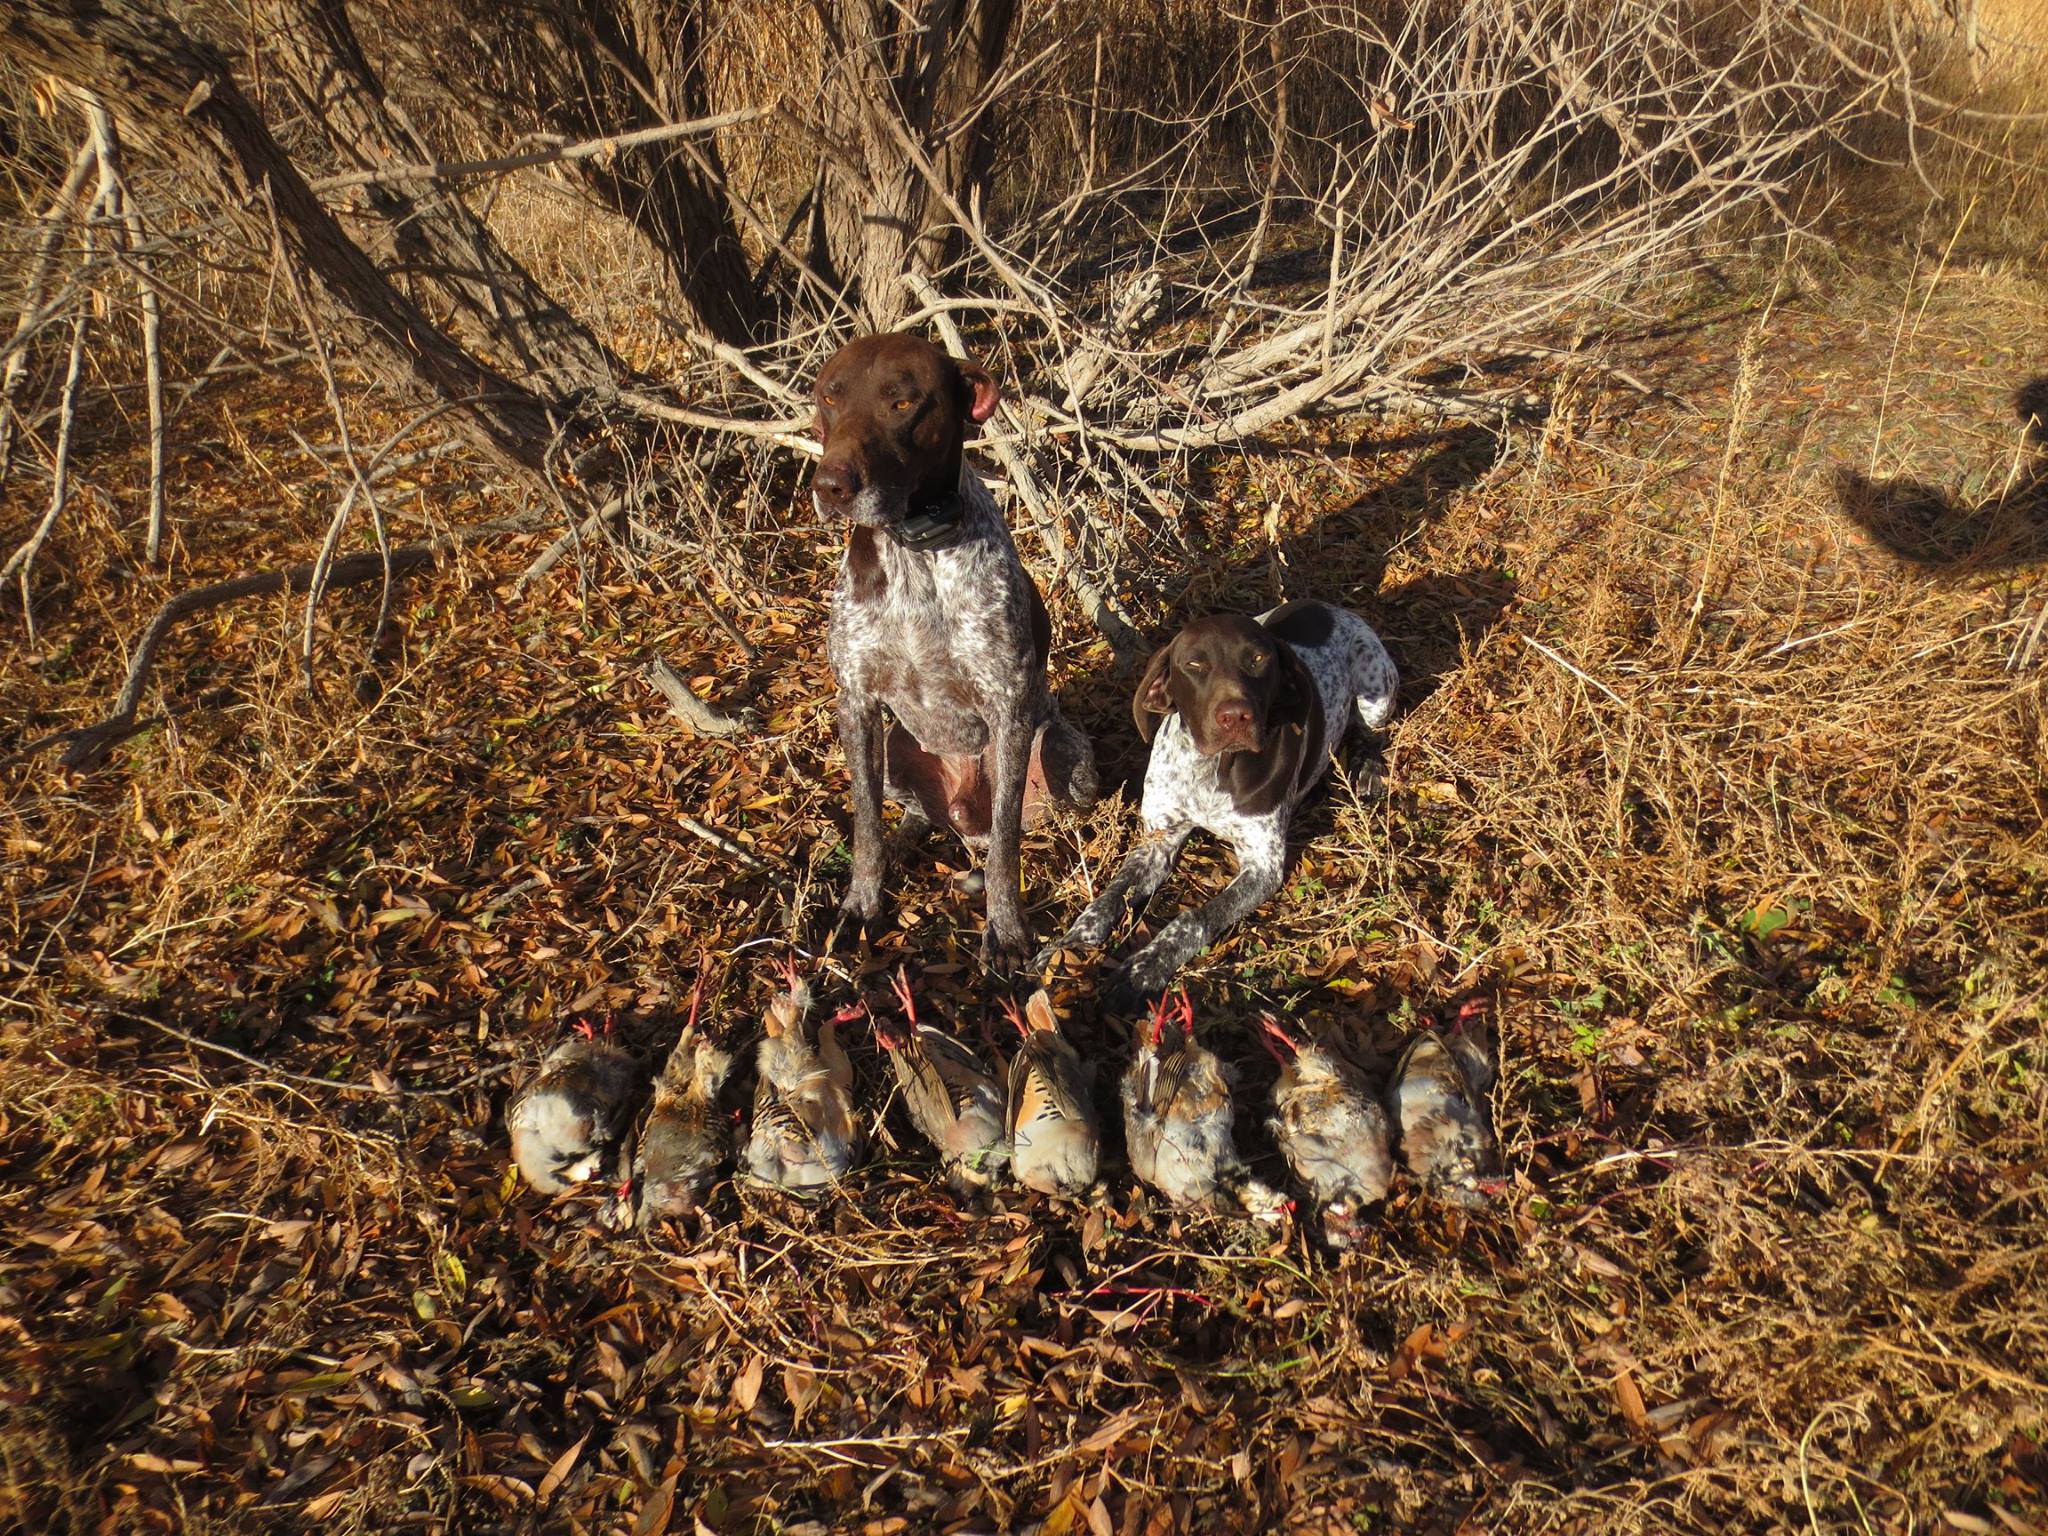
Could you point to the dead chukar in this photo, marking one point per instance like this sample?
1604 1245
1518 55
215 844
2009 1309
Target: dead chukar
1177 1111
1437 1095
1331 1129
804 1134
954 1099
568 1121
685 1138
1054 1148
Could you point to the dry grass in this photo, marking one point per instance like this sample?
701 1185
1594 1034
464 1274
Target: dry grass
1735 809
1719 768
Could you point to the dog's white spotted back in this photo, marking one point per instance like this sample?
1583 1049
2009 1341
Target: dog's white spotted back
1353 673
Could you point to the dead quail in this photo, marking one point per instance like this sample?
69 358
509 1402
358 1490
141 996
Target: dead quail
1440 1110
1177 1113
568 1121
1054 1148
804 1134
954 1100
1331 1129
685 1138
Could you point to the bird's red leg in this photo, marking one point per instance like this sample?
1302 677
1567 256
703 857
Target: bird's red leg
1278 1043
900 985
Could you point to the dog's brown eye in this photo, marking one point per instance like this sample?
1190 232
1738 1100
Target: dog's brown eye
828 400
903 405
1256 662
1194 668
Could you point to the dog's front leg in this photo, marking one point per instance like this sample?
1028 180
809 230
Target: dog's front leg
1007 939
860 735
1260 870
1135 882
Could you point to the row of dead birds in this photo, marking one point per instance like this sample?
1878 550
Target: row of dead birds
573 1122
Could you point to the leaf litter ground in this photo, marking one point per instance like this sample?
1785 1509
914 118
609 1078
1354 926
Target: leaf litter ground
1718 771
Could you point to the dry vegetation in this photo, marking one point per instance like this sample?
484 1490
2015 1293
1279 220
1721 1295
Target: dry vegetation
1719 768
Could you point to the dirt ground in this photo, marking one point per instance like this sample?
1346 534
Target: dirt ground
1718 772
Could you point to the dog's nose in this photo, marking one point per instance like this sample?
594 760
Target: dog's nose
837 483
1233 717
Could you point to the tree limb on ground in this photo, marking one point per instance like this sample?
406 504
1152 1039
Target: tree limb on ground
89 745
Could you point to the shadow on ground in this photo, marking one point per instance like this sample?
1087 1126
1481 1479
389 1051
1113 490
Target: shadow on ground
1941 530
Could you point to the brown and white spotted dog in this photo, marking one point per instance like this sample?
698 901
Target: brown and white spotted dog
935 619
1242 715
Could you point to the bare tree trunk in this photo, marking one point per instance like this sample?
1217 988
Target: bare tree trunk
181 91
585 68
926 70
424 225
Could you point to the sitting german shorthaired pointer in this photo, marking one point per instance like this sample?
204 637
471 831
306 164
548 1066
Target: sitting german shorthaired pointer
1242 716
935 617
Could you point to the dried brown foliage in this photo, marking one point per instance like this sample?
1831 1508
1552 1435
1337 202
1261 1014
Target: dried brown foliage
1719 771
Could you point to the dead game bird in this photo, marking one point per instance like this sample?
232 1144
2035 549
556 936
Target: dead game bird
954 1100
1440 1111
569 1119
1177 1112
685 1138
1331 1129
1054 1148
804 1134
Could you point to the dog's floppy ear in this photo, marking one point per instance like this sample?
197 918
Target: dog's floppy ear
1260 783
1295 696
979 386
1152 703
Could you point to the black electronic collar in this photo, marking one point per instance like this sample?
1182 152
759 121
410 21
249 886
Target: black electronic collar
931 526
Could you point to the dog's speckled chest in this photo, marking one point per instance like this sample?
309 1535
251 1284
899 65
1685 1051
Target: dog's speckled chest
938 635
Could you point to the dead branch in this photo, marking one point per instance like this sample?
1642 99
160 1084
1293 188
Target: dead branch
727 846
89 744
571 538
126 222
150 71
702 717
558 153
20 563
49 229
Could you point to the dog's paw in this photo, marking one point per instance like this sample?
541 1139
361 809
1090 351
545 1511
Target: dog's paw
851 922
1123 995
1134 984
862 902
1004 953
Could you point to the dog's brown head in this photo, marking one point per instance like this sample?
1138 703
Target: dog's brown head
1240 691
893 412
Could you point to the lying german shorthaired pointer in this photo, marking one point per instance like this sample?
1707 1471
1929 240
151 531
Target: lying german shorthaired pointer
935 617
1242 716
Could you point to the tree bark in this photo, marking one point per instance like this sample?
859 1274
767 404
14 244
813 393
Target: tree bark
924 69
182 92
425 227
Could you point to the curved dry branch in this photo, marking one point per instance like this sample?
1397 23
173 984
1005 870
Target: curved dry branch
88 746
